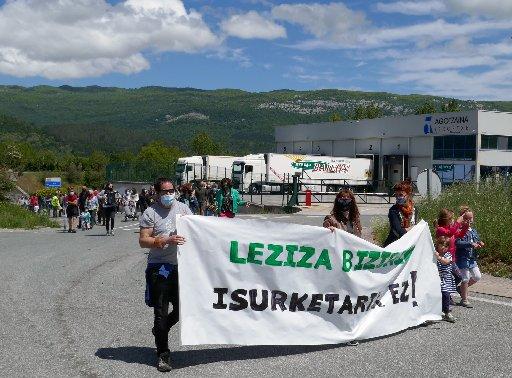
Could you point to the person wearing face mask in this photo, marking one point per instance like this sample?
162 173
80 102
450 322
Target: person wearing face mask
72 210
344 214
187 196
109 207
158 234
228 199
402 215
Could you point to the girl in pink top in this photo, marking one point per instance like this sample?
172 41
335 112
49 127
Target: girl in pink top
445 226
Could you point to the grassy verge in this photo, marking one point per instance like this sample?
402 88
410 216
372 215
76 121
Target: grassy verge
492 206
14 216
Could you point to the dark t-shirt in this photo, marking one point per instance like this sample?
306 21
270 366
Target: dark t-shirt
201 194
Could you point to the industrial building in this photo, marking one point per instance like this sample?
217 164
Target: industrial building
460 146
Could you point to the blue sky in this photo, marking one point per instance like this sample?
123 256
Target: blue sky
455 48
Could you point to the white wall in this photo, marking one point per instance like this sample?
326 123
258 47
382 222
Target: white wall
421 146
323 147
395 146
368 146
495 158
421 163
343 148
302 148
386 127
495 123
284 148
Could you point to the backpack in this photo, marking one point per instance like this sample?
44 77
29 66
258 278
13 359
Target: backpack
110 199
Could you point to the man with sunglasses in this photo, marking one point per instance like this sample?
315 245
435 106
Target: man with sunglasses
158 233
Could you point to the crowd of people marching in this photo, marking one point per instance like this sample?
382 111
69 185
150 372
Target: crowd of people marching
91 207
456 240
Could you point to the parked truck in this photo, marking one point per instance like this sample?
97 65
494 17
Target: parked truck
267 173
208 168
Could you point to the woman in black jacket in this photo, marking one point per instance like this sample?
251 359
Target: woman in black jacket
402 215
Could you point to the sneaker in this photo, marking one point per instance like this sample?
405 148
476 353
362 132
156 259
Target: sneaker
465 303
73 231
112 233
108 233
164 362
353 343
448 317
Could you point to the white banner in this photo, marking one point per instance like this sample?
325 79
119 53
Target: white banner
252 282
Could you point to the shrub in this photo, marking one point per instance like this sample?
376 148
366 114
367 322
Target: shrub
491 202
14 216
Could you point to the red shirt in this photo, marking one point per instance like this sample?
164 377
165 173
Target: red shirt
456 230
71 198
34 201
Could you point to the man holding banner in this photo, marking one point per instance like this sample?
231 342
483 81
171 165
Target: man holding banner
158 233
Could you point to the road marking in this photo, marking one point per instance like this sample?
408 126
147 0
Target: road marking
508 304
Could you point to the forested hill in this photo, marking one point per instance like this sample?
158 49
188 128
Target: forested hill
113 119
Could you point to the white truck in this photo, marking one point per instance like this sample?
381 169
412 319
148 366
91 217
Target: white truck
263 173
208 168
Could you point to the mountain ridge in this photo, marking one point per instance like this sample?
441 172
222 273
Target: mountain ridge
115 119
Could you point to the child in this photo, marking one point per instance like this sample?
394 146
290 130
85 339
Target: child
86 220
445 268
445 226
466 247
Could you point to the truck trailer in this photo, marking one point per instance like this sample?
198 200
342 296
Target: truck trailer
207 168
270 172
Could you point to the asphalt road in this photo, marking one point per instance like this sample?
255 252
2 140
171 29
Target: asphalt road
72 305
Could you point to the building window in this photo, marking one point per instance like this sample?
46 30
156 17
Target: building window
509 147
455 147
489 142
450 173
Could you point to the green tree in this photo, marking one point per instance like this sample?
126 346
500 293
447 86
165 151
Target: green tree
367 112
74 173
426 108
6 183
159 158
203 144
335 117
97 161
451 106
94 179
10 156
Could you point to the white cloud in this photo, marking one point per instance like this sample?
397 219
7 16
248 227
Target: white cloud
501 9
434 31
458 69
73 39
234 55
252 25
422 34
490 85
414 8
333 22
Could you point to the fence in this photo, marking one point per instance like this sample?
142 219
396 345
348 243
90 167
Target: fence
322 190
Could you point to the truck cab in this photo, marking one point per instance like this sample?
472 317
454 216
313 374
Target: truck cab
188 169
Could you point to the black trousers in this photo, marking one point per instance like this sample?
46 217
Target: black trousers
109 214
445 300
162 292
